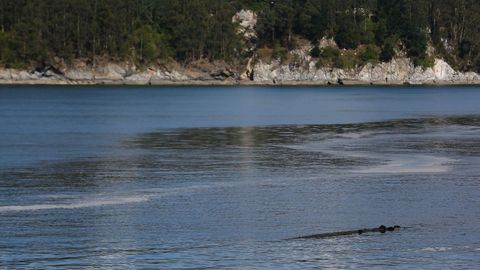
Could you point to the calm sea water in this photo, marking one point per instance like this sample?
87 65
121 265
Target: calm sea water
219 178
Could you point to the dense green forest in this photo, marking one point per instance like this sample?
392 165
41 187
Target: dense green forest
148 31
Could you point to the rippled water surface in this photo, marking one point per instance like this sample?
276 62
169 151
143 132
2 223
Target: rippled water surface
215 178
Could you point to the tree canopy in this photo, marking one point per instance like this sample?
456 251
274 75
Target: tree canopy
146 31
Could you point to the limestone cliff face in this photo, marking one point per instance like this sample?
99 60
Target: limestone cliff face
247 20
13 75
400 70
110 73
397 71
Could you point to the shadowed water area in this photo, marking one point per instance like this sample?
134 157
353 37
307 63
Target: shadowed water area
209 178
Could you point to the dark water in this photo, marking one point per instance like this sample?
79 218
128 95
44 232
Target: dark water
215 178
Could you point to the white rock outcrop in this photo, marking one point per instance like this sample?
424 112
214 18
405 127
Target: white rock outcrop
110 71
399 70
395 70
79 74
247 20
327 42
444 71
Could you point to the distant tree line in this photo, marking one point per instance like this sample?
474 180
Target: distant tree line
146 31
138 30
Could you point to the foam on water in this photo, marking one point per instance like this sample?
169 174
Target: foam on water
75 205
465 248
411 164
112 200
436 249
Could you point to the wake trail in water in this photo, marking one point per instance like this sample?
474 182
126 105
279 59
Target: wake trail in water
75 205
411 164
148 194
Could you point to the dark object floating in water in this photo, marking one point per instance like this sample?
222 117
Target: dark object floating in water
381 229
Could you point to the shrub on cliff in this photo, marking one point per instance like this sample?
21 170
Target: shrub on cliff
388 50
315 52
370 54
280 52
264 54
424 62
328 56
348 60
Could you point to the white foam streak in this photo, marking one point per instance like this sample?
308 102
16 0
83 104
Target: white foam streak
75 205
412 164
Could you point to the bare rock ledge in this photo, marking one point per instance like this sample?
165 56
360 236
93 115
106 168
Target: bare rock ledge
396 72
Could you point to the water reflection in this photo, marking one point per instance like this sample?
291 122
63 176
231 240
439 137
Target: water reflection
224 197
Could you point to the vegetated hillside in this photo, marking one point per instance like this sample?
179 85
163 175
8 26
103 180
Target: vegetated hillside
158 31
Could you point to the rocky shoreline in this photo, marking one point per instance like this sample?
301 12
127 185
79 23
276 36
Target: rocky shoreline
399 71
231 83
